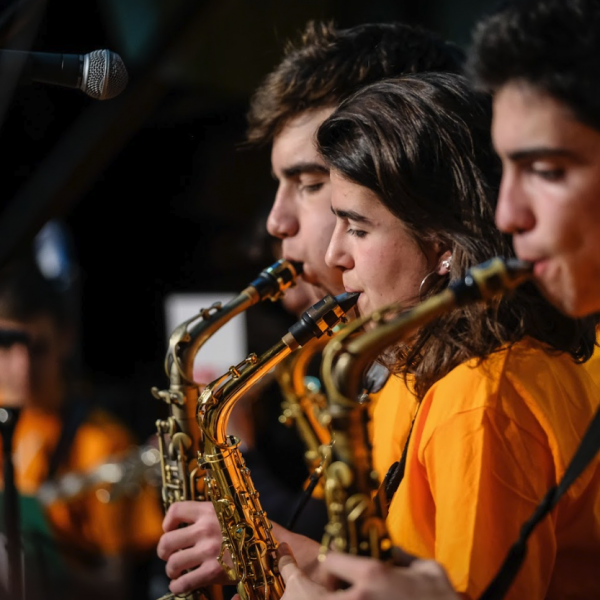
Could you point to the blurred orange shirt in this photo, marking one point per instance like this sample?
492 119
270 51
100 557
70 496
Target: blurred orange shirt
129 524
488 442
592 366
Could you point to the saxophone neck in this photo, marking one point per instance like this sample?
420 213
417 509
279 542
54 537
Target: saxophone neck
189 337
219 397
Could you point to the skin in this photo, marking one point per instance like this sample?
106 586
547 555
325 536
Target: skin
33 376
373 249
301 213
368 579
549 194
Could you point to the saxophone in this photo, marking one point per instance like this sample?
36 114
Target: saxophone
304 404
246 531
356 509
121 475
178 435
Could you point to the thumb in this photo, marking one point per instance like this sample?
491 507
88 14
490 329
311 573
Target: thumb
286 561
400 558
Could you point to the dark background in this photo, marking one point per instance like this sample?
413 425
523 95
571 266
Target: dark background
152 184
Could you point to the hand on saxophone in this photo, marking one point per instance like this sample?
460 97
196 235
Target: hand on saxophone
191 551
367 579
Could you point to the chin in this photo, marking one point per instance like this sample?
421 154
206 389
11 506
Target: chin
573 293
569 303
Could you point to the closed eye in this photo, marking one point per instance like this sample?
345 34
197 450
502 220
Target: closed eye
312 188
359 233
549 174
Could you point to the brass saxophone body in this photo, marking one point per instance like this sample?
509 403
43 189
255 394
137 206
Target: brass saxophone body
304 404
356 512
178 435
246 531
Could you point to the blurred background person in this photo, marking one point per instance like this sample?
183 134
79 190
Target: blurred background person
75 546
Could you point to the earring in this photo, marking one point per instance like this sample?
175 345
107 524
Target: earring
423 284
447 263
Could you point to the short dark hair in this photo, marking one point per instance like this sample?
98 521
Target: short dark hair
422 144
329 64
552 45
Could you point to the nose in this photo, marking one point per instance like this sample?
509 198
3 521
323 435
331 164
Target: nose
283 221
514 213
337 255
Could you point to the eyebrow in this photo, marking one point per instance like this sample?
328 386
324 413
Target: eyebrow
541 152
351 215
303 167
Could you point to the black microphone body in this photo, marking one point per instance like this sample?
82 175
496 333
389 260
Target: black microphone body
101 74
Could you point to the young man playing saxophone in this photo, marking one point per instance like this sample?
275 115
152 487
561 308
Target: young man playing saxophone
327 66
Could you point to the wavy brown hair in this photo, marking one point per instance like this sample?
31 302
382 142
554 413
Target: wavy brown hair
422 144
328 64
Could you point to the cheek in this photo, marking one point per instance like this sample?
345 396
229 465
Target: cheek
318 234
379 274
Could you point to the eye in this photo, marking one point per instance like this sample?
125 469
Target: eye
311 188
359 233
547 172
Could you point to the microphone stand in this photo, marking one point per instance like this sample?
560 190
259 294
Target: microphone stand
8 421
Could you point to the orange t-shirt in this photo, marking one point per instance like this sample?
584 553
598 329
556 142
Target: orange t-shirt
129 524
592 366
488 442
393 409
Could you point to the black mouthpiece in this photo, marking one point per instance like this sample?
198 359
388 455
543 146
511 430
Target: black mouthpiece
277 278
323 316
347 300
493 277
298 266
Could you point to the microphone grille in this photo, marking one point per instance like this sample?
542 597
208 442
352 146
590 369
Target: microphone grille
106 75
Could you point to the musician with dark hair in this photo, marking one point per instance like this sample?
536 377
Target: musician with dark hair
541 59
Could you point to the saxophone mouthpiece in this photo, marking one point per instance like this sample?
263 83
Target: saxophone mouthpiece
347 300
322 317
495 276
273 281
518 269
298 266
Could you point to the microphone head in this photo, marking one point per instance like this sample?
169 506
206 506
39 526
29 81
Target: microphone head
104 75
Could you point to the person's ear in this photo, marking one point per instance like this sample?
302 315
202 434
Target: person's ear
445 263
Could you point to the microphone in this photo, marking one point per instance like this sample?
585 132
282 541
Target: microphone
101 74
